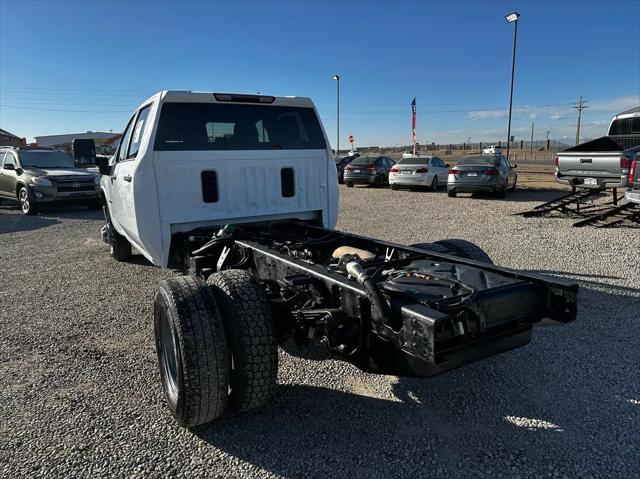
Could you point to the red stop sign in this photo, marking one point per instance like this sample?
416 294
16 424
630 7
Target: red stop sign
350 138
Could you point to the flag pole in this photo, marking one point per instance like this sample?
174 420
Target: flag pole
413 124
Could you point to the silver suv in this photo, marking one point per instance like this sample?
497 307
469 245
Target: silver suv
36 176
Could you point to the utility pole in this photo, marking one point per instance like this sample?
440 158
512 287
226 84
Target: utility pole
531 143
579 106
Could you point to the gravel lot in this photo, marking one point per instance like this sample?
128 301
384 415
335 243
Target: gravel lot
80 393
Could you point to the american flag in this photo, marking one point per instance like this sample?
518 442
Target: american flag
413 124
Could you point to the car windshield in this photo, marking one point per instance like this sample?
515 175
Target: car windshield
477 161
221 126
413 161
45 159
363 160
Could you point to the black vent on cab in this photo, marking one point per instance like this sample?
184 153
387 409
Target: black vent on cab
288 182
209 186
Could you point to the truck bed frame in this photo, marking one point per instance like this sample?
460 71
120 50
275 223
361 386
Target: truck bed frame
384 307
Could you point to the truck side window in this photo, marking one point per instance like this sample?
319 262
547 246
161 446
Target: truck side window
124 141
138 131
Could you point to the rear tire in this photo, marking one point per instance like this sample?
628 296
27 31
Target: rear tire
434 184
192 350
394 187
246 315
349 184
502 192
457 247
451 194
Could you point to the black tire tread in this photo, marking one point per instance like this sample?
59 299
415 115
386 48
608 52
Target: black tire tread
202 347
120 246
457 247
250 335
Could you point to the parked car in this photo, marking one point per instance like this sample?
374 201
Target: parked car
342 162
37 176
633 192
429 171
482 173
603 162
492 150
368 170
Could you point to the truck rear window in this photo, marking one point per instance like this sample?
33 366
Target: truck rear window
625 126
217 126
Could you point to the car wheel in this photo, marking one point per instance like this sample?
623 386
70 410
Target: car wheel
451 194
515 182
502 192
394 187
192 350
349 184
26 201
119 246
434 184
247 320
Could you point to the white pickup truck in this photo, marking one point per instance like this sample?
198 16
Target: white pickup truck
241 193
606 161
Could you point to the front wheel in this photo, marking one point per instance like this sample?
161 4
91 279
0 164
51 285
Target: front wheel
394 187
26 201
451 194
349 184
515 182
434 184
192 350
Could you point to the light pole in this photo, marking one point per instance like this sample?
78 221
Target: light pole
337 80
548 139
512 18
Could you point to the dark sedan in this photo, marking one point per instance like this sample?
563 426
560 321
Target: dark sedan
482 173
368 170
341 163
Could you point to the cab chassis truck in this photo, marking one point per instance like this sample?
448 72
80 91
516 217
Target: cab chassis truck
259 272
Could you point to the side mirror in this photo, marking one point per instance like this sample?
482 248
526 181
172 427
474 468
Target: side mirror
103 165
10 167
84 152
447 165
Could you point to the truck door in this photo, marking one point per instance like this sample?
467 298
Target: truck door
120 197
123 175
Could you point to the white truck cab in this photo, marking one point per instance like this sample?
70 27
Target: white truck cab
192 160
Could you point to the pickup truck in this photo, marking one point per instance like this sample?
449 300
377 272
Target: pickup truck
240 193
604 162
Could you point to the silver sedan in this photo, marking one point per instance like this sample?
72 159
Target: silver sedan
425 171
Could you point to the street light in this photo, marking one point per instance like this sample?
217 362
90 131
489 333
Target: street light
512 18
337 80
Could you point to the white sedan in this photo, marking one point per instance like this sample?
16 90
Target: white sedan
425 171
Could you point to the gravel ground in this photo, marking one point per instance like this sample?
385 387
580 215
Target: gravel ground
80 393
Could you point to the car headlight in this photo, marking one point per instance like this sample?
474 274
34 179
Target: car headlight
40 181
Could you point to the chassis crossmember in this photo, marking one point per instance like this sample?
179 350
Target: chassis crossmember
386 308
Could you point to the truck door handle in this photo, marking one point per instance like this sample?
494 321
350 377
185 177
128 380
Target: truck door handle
127 178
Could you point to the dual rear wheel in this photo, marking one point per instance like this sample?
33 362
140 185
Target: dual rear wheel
216 345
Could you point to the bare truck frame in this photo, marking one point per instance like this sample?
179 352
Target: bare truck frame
415 310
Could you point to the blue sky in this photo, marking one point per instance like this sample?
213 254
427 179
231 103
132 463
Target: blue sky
78 66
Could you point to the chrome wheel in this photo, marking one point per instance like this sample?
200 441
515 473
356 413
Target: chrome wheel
24 201
168 359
